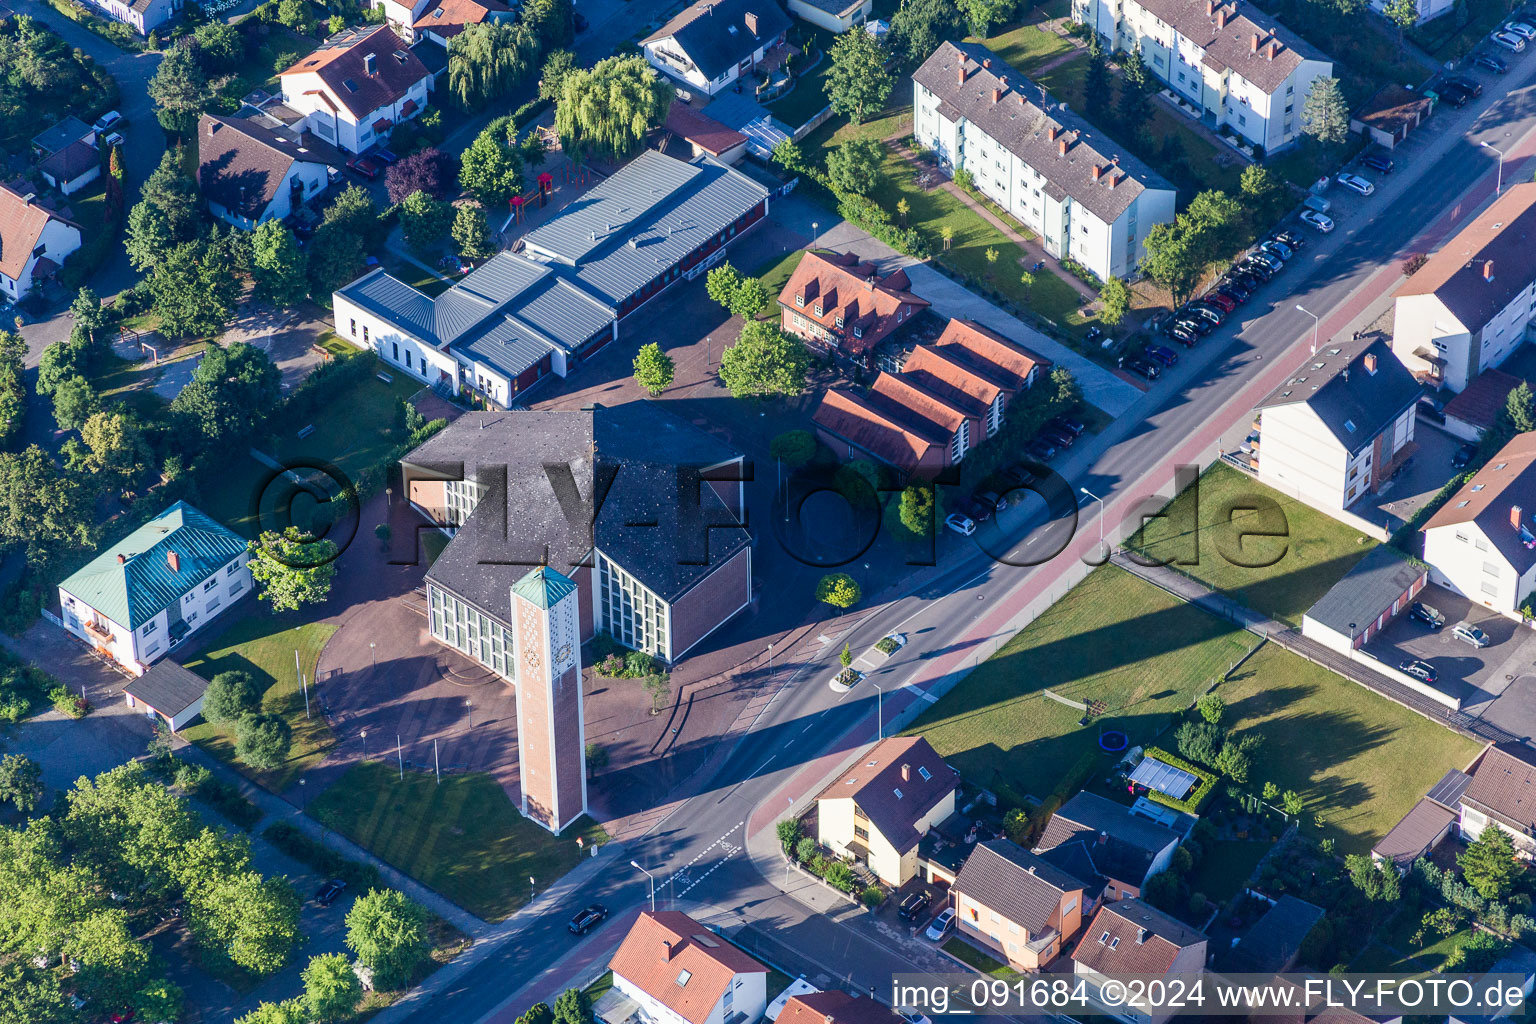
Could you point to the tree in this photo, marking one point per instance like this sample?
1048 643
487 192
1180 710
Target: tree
424 221
1325 114
486 61
659 686
289 1011
1520 409
252 920
920 26
917 509
158 999
1211 708
74 402
857 82
388 932
1198 741
845 657
356 212
1270 791
1488 863
470 233
1377 885
230 392
787 154
335 255
61 361
1258 185
331 988
179 89
1097 86
721 284
165 215
553 21
605 112
263 741
429 170
902 209
839 590
230 697
88 313
981 15
1402 13
21 782
557 65
278 264
195 289
750 299
793 447
1134 69
492 167
1235 760
855 166
1292 803
219 46
293 568
1212 218
571 1008
1114 302
653 368
41 505
764 361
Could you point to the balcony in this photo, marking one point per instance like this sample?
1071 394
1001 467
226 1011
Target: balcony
97 631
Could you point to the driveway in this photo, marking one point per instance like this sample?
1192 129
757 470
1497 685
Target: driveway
1478 677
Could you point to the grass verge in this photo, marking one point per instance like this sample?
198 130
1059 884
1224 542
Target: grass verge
973 957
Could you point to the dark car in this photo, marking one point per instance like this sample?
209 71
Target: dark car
1246 278
1463 456
1162 354
1215 314
1455 95
1235 292
329 892
913 906
364 167
1262 271
974 510
1419 670
1471 85
1041 449
992 498
1427 614
1489 62
1378 162
1068 423
587 918
1199 324
1019 475
1431 410
383 155
1058 436
1145 368
1292 239
1183 335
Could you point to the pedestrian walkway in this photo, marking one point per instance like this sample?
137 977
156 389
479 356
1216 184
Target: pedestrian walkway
1029 243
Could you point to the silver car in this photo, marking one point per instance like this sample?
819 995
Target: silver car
1470 634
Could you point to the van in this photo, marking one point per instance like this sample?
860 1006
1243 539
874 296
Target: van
1317 203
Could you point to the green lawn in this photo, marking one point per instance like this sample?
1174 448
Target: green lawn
1112 638
1281 576
263 645
1359 760
1365 59
463 837
1026 46
1391 951
809 95
1224 867
598 988
775 273
969 954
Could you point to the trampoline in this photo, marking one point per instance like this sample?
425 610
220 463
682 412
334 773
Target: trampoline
1113 741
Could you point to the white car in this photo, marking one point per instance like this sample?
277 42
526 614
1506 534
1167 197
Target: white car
1317 220
1521 29
963 525
1509 41
1356 183
106 121
941 925
913 1017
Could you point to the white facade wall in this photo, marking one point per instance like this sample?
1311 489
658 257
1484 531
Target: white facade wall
837 818
178 721
312 179
1067 229
748 995
155 14
308 94
57 241
401 16
1428 9
74 185
667 57
1298 455
831 22
392 344
1462 558
1422 322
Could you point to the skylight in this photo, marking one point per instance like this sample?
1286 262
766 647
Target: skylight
1501 465
897 792
351 85
1477 487
683 976
1463 504
1349 425
925 773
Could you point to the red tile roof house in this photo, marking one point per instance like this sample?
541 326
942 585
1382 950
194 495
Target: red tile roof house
879 809
1017 905
441 20
356 87
1503 793
34 242
679 972
1132 937
835 1007
841 306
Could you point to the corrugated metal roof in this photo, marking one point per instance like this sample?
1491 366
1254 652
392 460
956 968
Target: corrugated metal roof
135 590
613 209
510 346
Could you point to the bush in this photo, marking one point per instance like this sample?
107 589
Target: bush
611 667
806 849
840 877
873 896
189 777
228 801
326 861
230 697
68 703
638 664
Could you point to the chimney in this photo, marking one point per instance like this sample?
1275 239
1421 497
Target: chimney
670 949
997 94
751 20
121 559
906 773
1210 8
1488 270
1031 869
1141 936
370 63
1062 147
960 74
1098 172
986 62
1114 179
1221 19
1514 516
1052 132
1103 838
1274 49
213 127
1370 363
1253 44
173 560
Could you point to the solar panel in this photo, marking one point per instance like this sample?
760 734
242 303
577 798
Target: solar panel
1164 778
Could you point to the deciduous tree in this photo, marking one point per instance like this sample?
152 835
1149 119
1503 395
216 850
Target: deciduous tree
1114 302
553 21
764 361
486 61
471 235
41 505
855 165
21 782
74 402
278 264
750 299
605 112
331 988
388 933
219 46
429 170
293 568
230 697
653 368
917 509
230 391
263 741
839 590
424 221
721 284
857 82
557 65
920 26
492 166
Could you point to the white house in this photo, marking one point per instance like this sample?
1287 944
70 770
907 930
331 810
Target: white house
1132 937
73 167
1428 9
137 600
1087 198
878 810
833 15
679 972
441 20
143 16
1249 74
1503 793
1482 543
400 16
34 242
1339 427
713 43
249 173
356 87
1471 305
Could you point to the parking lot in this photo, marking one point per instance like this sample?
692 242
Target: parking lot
1487 681
1395 502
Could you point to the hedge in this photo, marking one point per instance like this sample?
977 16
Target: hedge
1196 800
287 838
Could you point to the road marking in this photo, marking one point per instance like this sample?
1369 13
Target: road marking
760 767
731 849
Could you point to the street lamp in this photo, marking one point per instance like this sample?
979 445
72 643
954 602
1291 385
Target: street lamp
1102 513
364 734
815 230
1498 188
652 877
1315 321
303 802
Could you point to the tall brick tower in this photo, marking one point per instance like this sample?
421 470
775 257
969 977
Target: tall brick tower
551 735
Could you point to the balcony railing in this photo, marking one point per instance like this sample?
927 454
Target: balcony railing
98 631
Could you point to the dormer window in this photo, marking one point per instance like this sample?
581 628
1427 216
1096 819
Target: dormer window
800 299
858 331
839 320
818 309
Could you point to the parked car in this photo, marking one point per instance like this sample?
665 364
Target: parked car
1019 475
1144 367
963 525
1162 354
1234 290
363 167
1318 203
1076 426
1296 241
1317 220
1431 410
913 906
914 1017
997 501
1355 183
1249 281
1260 270
1040 449
382 155
1225 303
1521 29
1489 62
1183 335
1428 614
587 918
1269 259
941 925
1472 85
1509 41
1057 436
1419 670
1470 634
112 139
1463 455
108 120
1215 314
1275 247
1455 95
1199 324
977 511
330 892
1378 162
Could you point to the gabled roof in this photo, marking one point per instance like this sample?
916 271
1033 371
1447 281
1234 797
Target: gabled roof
1481 271
447 18
21 225
1483 399
1121 844
718 34
896 784
1227 35
341 62
680 963
71 161
1274 941
135 579
1504 786
1358 389
1501 499
835 1007
1019 885
1032 126
988 354
1412 836
852 418
1367 590
1132 937
857 304
167 687
243 165
957 382
926 413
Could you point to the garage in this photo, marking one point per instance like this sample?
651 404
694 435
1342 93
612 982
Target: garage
169 692
1381 586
